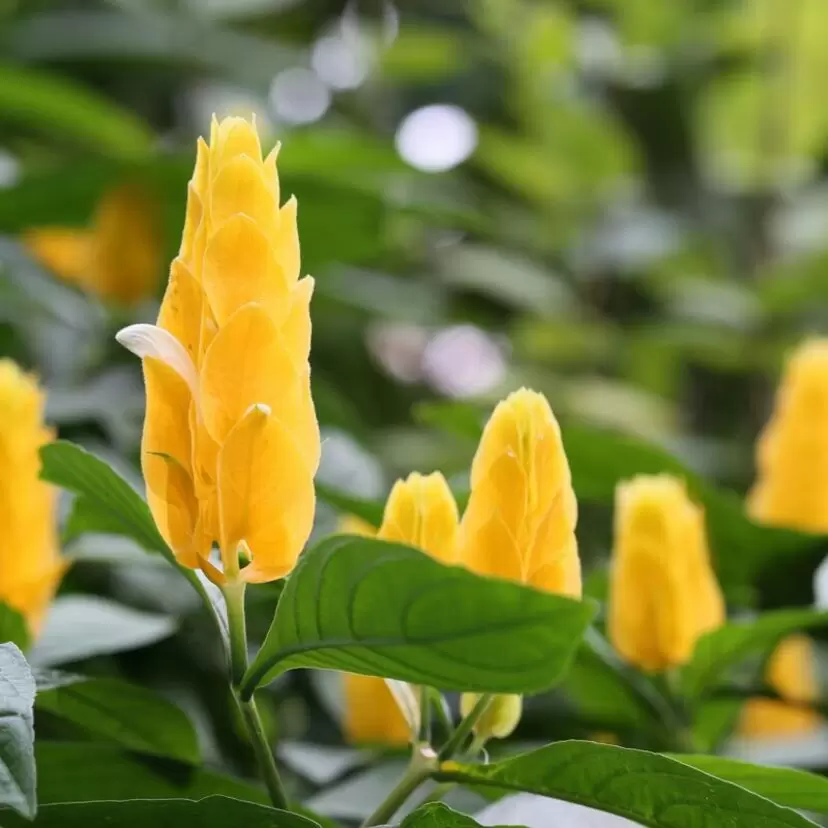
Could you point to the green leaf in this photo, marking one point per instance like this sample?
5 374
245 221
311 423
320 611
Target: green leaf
377 608
60 107
647 788
724 647
83 626
211 812
788 786
17 765
13 627
106 503
80 771
438 815
368 510
126 714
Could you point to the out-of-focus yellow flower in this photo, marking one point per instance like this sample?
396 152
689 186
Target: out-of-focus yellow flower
791 672
520 520
791 489
30 563
231 442
421 511
372 715
118 258
663 591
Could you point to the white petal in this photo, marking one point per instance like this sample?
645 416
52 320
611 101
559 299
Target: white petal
151 341
408 700
821 585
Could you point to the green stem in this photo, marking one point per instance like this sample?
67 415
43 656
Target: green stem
237 634
462 731
421 767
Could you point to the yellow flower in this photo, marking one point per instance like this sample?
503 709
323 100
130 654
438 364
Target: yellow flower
231 442
791 489
791 672
663 591
30 563
118 258
520 520
372 715
499 719
421 511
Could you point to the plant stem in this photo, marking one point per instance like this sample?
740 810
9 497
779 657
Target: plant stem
462 731
423 763
237 634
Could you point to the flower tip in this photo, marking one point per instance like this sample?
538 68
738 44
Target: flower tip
261 408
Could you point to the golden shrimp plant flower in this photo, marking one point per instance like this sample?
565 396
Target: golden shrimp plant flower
791 489
231 442
520 520
663 591
30 562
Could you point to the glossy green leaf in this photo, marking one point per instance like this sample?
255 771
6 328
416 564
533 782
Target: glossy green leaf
106 503
376 608
81 771
60 107
13 627
647 788
438 815
17 765
83 626
718 650
129 715
788 786
211 812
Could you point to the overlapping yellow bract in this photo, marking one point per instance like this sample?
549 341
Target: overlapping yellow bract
30 563
231 441
663 590
118 258
520 520
791 672
791 489
372 715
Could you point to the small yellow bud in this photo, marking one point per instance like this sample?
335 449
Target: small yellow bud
421 511
372 715
791 488
663 591
30 563
231 442
500 718
791 672
520 520
118 258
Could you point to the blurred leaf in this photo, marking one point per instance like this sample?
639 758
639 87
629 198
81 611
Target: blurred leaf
321 764
376 608
620 781
126 714
73 771
82 626
17 764
788 786
13 627
437 815
726 646
424 54
460 419
369 510
59 107
211 812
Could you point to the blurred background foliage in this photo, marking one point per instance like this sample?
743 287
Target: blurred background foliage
621 203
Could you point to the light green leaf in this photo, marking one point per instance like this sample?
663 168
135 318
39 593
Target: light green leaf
106 503
81 771
13 627
83 626
437 815
126 714
647 788
788 786
376 608
724 647
61 107
212 812
17 765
